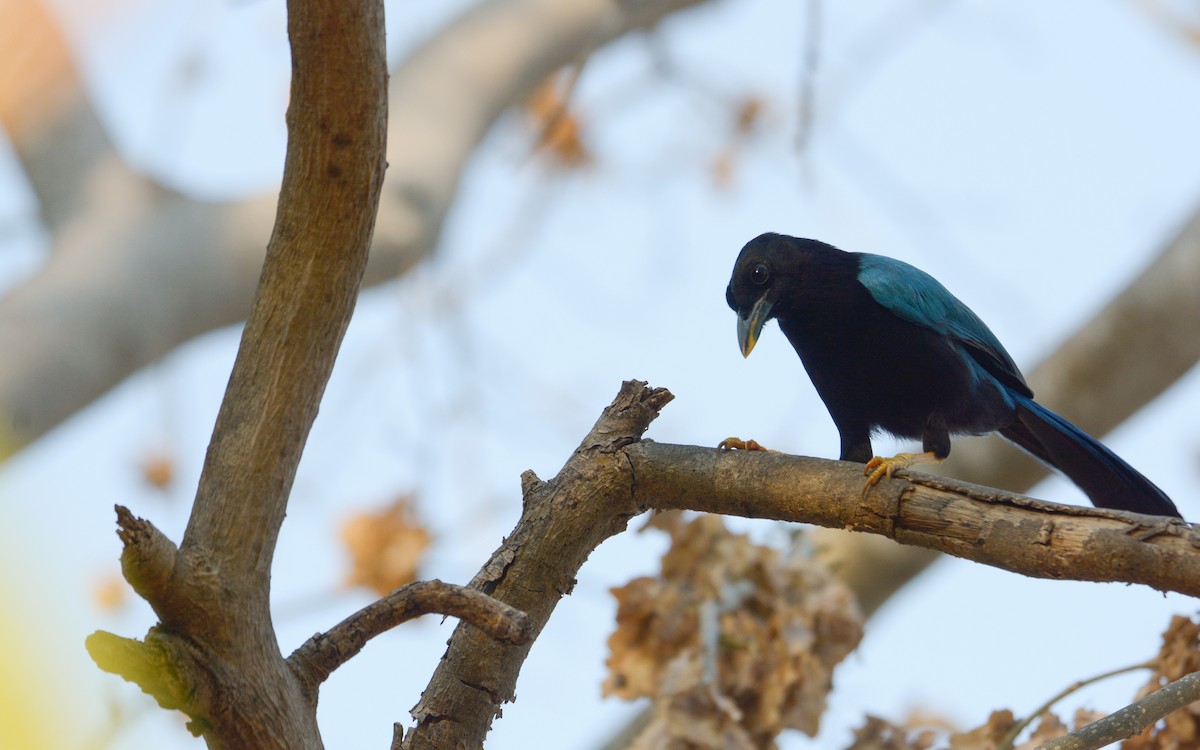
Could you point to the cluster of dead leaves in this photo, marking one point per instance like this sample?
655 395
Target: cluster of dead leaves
385 546
733 641
1179 656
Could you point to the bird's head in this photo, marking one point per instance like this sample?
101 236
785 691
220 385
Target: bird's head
775 276
760 276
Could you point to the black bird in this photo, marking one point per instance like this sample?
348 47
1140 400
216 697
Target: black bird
888 348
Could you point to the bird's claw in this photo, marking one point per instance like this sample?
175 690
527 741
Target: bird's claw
737 444
879 467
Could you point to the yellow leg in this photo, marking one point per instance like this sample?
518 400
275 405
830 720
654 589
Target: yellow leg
878 467
737 444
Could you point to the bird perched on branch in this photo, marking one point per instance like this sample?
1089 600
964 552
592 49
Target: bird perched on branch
888 348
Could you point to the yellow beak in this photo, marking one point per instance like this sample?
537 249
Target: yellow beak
750 326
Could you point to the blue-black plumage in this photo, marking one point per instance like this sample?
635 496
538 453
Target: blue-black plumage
888 347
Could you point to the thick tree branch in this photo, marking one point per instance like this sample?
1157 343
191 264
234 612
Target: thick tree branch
316 659
614 475
331 183
1132 719
1013 532
127 251
213 596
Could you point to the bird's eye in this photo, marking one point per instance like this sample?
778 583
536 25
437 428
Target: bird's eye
760 274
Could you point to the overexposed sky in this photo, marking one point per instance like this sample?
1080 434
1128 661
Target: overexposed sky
1032 156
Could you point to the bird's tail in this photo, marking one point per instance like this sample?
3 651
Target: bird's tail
1107 480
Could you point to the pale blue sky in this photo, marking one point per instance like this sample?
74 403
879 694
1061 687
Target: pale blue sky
1032 156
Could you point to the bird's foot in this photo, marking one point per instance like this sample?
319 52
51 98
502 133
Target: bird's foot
737 444
878 467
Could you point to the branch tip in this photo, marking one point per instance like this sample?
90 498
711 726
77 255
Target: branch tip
529 482
148 557
639 393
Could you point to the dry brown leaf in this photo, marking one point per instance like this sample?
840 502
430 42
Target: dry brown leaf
722 167
111 592
1047 728
927 718
881 734
558 128
749 113
158 469
385 547
733 641
1180 652
691 718
986 737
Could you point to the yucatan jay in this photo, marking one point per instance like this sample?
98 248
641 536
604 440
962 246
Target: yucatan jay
888 348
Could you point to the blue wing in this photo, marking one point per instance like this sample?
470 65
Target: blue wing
917 297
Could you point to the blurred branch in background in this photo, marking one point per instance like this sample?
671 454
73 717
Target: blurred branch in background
136 269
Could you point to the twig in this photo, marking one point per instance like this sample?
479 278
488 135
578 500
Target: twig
1132 719
314 661
1011 737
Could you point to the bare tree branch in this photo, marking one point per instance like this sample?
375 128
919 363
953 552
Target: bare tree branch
137 269
1132 719
324 652
1120 360
994 527
217 632
614 475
